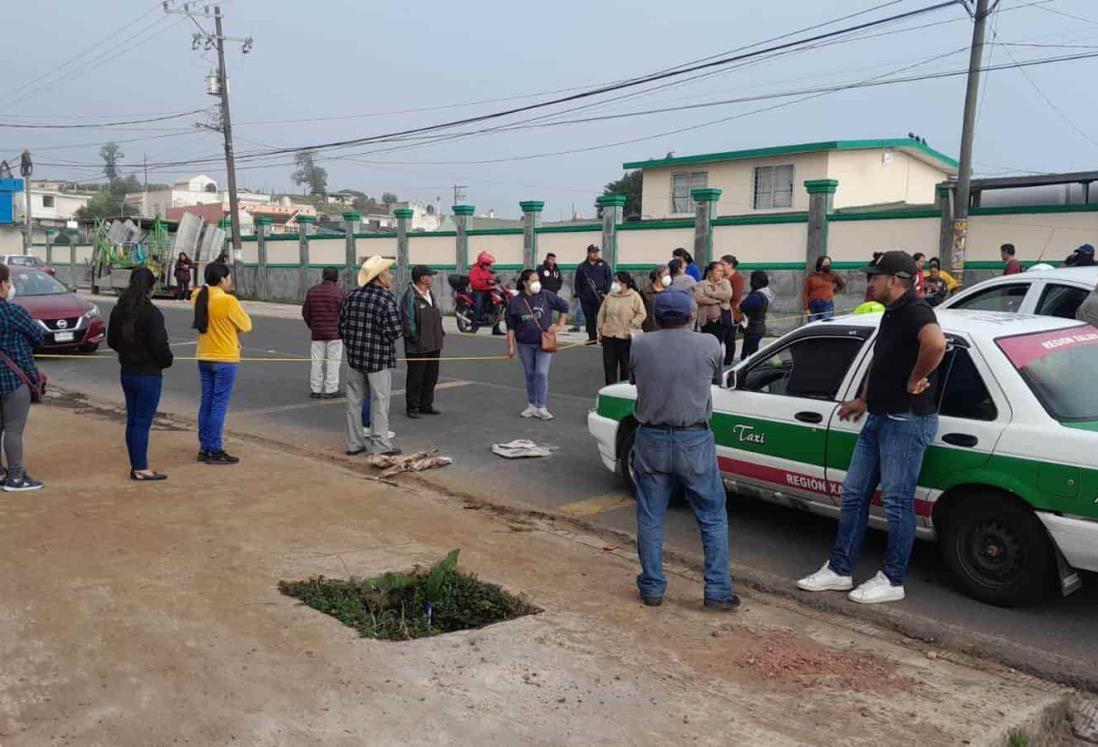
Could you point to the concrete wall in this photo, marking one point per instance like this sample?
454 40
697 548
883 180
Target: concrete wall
736 180
1036 235
369 246
868 177
651 246
506 248
328 251
283 252
856 240
569 246
767 243
425 249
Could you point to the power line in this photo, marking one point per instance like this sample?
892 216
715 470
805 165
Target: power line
90 125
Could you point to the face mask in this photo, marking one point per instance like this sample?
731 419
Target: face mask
827 268
11 292
615 287
535 287
665 281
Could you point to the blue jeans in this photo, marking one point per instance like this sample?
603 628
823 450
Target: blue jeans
535 362
889 453
664 460
217 386
820 309
365 412
142 392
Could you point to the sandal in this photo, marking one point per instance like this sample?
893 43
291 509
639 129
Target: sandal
141 478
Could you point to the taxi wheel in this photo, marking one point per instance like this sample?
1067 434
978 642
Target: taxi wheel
998 550
625 460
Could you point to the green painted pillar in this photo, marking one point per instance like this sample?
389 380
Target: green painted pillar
531 217
821 197
351 221
263 276
612 206
462 213
404 220
705 201
304 230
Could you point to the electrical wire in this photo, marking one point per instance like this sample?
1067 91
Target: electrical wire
90 125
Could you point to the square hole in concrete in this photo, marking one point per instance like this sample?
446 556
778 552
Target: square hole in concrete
420 603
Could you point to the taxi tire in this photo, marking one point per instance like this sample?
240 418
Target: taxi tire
625 459
998 517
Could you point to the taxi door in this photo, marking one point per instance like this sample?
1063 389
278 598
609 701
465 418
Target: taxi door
771 425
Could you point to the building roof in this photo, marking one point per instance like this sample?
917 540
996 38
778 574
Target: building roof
912 147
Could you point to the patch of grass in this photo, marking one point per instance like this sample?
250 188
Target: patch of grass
1017 738
417 604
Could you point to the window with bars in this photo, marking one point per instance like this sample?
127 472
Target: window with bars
681 184
773 187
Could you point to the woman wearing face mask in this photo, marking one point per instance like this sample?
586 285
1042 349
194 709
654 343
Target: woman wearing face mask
820 288
528 315
658 281
18 334
714 298
620 317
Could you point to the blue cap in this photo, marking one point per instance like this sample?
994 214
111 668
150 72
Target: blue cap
674 306
1085 249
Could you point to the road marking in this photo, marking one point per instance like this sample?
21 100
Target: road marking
597 505
183 344
339 401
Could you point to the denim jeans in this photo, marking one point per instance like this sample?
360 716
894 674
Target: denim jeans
481 301
535 363
750 345
217 387
889 452
664 460
820 309
142 393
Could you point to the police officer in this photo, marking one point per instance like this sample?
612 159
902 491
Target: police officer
673 369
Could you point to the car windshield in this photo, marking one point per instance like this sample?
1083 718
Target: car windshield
30 261
1058 365
30 282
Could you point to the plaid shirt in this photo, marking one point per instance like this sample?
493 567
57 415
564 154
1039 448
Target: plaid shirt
18 333
369 323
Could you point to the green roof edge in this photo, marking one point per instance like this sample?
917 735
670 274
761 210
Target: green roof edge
783 150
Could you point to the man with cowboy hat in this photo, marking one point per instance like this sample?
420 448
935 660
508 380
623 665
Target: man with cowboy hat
370 325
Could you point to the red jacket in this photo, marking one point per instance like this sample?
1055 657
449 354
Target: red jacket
482 278
321 310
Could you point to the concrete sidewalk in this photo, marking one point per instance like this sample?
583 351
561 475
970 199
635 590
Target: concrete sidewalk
147 614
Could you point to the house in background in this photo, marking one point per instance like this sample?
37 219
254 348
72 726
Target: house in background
196 190
771 180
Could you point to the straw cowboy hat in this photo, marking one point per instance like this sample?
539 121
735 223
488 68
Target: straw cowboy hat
373 267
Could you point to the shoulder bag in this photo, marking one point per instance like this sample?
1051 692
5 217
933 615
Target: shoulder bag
548 336
37 384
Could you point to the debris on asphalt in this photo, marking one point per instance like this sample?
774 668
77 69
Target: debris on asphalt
521 448
417 462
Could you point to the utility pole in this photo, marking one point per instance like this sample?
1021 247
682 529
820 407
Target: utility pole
218 39
26 168
962 197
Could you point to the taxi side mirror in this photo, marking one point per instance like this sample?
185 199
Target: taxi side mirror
730 382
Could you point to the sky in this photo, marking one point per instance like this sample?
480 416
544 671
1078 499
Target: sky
335 70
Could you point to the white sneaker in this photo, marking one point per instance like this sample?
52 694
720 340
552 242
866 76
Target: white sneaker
826 579
876 590
529 412
544 414
390 435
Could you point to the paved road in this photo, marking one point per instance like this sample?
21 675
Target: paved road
481 400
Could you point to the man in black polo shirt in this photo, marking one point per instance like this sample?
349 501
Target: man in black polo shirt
901 394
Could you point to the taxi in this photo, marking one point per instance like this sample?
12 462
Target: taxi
1008 488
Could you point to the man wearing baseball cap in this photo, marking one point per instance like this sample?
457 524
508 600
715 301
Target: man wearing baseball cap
423 335
900 393
673 369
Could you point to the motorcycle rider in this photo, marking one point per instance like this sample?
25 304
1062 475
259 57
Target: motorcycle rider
482 279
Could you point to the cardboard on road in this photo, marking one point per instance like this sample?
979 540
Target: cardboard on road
148 613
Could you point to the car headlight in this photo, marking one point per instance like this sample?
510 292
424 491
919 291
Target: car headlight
92 312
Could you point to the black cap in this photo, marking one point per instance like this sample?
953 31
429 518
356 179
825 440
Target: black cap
900 264
420 270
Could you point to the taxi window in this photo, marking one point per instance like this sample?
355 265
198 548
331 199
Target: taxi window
1000 298
812 367
964 395
1058 365
1061 300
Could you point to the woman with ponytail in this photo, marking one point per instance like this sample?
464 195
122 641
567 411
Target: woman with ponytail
136 332
219 319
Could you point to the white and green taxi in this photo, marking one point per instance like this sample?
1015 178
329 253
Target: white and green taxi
1009 487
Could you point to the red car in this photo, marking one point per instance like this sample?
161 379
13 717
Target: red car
27 260
70 321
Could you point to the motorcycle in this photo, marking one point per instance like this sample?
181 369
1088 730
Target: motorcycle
465 303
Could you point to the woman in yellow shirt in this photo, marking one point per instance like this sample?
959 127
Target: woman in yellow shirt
219 318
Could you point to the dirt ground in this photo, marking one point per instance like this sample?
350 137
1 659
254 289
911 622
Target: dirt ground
148 614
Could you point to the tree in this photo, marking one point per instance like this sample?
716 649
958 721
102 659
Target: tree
316 177
111 153
630 186
389 198
107 202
